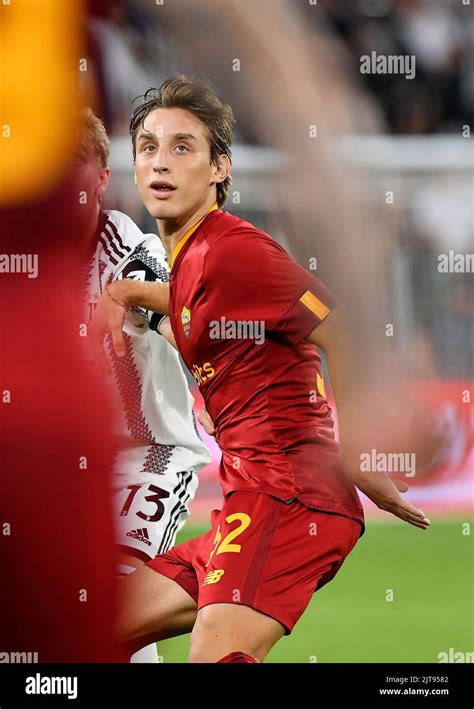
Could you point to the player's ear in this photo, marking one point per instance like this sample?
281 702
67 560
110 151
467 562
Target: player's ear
135 177
221 169
103 181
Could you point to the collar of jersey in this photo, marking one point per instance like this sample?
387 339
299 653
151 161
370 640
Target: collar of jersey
188 234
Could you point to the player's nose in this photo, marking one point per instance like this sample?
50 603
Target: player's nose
160 163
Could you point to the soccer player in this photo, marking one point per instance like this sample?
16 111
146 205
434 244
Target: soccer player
246 319
159 451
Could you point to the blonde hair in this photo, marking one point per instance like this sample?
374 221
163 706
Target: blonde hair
93 138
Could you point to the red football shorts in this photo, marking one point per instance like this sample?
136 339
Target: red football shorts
262 553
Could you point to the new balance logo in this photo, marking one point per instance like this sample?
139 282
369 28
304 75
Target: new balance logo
141 535
213 576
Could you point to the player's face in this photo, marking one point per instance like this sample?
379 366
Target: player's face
173 169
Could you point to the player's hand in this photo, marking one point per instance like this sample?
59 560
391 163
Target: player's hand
108 317
385 493
206 422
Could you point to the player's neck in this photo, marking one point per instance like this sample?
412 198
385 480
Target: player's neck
171 231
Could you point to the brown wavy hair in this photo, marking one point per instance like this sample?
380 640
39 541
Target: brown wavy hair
197 97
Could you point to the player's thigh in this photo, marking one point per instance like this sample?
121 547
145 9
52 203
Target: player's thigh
222 628
153 606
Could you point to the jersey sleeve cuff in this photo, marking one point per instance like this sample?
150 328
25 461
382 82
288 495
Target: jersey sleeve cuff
155 322
305 315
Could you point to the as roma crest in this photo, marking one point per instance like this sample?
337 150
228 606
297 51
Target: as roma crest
186 320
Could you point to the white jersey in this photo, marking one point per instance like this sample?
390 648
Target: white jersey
156 404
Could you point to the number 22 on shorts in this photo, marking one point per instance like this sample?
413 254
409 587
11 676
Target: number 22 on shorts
221 547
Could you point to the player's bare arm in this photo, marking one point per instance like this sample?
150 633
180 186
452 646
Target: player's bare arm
164 329
333 336
110 312
151 296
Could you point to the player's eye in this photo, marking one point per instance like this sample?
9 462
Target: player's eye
184 148
146 148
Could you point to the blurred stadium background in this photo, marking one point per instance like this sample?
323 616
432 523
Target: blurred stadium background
409 140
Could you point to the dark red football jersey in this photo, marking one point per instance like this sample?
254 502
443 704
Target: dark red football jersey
240 309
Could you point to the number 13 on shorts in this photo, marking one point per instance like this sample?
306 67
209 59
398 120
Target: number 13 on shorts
223 546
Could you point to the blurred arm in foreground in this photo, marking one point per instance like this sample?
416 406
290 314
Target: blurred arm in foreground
334 337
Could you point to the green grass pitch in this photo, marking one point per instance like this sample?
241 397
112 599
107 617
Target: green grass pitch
350 620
